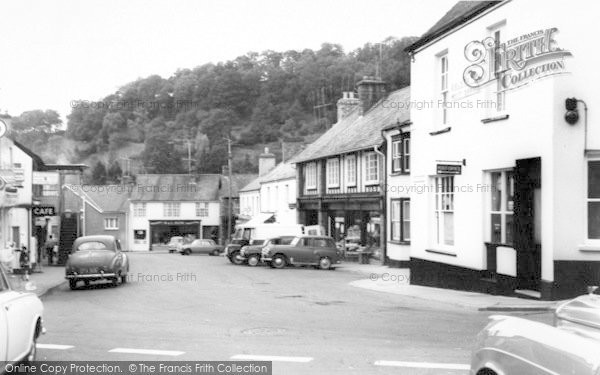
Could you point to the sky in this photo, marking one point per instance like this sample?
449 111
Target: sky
56 52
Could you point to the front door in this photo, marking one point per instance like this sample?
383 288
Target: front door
527 223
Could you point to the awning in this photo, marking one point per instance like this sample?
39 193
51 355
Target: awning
261 218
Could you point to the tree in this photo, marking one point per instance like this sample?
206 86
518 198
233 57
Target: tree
159 154
115 173
37 120
99 174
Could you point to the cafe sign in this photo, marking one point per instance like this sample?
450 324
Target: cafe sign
515 62
38 211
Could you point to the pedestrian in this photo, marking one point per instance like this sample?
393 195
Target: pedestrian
50 244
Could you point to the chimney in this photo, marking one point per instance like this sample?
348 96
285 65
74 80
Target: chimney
346 104
370 91
266 162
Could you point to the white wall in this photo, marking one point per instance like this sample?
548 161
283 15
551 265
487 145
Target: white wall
275 200
536 127
250 202
154 211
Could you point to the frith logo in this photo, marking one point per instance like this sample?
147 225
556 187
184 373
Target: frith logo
516 62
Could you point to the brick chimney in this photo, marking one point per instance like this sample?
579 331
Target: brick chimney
346 104
370 91
266 162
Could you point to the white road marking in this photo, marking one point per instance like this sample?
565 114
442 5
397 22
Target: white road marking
274 358
428 365
146 351
53 346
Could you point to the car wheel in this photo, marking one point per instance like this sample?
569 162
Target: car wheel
253 260
187 251
216 253
124 279
279 261
236 259
72 284
324 263
30 357
86 282
115 281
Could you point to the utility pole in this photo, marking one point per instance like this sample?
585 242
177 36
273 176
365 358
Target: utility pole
189 158
229 215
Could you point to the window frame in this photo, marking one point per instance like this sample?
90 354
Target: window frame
444 85
332 172
504 211
202 208
588 200
139 209
171 209
310 176
442 195
367 157
401 153
351 171
108 221
398 215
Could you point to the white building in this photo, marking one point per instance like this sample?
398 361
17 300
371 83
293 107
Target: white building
278 194
509 191
163 206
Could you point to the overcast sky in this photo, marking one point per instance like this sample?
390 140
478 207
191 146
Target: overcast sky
54 52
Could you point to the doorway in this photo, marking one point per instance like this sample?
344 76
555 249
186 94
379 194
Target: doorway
527 223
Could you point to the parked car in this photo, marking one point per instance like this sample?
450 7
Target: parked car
175 244
252 253
510 345
96 258
303 250
201 246
21 322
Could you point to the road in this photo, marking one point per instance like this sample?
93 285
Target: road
204 308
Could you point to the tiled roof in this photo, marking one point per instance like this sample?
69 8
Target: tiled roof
359 132
282 171
111 198
460 13
239 180
176 187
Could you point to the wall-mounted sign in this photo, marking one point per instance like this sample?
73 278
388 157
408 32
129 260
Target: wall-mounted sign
452 169
514 62
139 234
43 211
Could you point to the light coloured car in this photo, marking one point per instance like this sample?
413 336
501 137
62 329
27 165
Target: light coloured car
96 258
510 345
175 244
201 246
21 322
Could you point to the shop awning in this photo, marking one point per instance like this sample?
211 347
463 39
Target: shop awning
261 218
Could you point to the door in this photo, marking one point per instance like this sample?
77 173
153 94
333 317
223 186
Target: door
527 243
16 236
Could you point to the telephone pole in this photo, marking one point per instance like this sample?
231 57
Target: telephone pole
229 208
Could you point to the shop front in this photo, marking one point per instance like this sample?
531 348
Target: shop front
161 231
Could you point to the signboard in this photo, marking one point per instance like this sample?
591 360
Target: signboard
451 169
39 211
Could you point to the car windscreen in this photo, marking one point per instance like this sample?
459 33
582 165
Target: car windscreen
282 240
93 245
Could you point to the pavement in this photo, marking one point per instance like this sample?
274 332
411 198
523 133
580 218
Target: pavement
51 278
377 278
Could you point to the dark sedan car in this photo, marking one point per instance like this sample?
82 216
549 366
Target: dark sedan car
96 258
317 251
201 246
251 254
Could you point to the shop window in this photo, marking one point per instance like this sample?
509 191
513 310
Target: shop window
351 170
371 167
171 209
593 200
333 172
311 175
139 209
501 207
111 223
401 153
444 210
400 221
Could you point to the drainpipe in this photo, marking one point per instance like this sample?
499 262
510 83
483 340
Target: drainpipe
382 184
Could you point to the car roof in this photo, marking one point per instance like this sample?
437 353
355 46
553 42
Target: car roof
317 237
105 239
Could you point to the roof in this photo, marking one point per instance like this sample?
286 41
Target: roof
283 171
239 180
459 14
111 199
176 187
355 133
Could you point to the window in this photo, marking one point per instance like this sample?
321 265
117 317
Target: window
111 223
372 167
139 209
171 209
501 209
401 153
351 170
444 210
593 200
287 194
400 230
444 87
333 172
202 208
311 175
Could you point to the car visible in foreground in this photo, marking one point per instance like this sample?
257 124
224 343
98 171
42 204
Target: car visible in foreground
510 345
233 249
252 253
201 246
175 244
317 251
20 322
96 258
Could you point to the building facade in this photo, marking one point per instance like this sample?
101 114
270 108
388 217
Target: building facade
508 176
341 176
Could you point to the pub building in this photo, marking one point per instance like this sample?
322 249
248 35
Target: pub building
507 154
